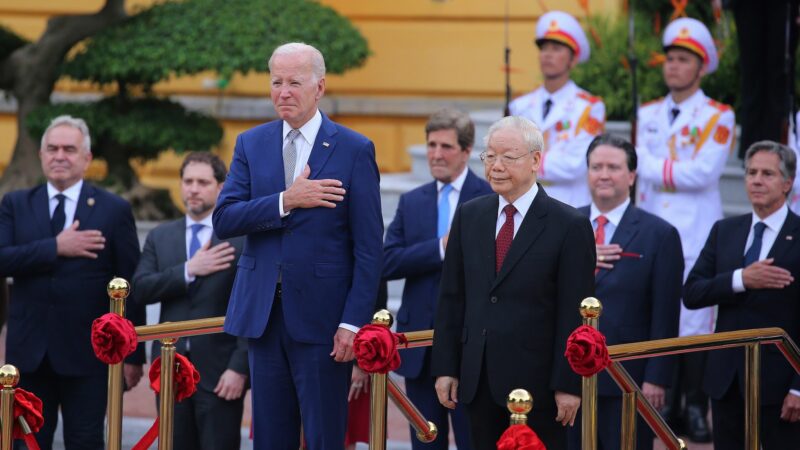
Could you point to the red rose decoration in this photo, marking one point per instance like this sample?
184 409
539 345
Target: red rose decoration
587 352
113 338
375 347
186 377
29 406
520 437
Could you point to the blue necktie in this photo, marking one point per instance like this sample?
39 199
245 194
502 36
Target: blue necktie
59 216
754 251
444 211
194 243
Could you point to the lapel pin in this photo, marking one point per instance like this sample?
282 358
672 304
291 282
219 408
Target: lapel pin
789 237
90 201
325 144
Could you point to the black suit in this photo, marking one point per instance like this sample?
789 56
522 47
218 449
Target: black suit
53 302
710 283
203 421
499 332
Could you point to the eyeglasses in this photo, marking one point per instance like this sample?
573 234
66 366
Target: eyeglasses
490 159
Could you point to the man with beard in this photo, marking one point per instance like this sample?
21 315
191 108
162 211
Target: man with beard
187 269
684 141
568 116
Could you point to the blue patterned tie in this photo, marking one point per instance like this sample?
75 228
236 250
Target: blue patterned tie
444 211
194 243
59 216
754 251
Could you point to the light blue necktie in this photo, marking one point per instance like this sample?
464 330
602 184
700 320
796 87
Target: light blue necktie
194 243
444 211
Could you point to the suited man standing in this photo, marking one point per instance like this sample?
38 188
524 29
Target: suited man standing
747 267
638 278
516 268
62 242
414 249
187 269
305 193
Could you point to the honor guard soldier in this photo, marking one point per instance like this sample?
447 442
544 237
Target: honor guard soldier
568 116
684 141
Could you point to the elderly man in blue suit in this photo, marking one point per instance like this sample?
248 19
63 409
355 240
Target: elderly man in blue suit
414 250
638 279
304 191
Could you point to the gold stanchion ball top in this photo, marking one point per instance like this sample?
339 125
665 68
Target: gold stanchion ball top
591 308
9 376
430 436
519 401
118 288
382 317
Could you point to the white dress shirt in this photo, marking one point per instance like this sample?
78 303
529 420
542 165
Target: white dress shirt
522 204
303 143
453 197
71 195
774 223
614 217
204 235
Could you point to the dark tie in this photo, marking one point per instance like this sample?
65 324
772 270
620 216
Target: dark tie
59 217
754 251
673 114
290 158
546 110
504 237
194 243
444 211
600 233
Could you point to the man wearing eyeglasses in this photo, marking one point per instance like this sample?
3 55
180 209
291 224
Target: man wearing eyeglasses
414 250
517 266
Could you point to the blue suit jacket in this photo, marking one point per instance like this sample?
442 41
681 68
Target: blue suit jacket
411 251
54 299
641 295
329 259
709 283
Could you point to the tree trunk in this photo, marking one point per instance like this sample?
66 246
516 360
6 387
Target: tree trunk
30 74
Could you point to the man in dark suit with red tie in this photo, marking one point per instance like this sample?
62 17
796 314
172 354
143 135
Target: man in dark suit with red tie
748 268
638 278
516 268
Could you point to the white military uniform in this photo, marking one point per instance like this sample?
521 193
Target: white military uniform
794 196
575 118
679 170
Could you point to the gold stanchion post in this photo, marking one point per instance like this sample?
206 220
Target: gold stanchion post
9 378
519 403
590 309
377 416
628 437
166 405
118 290
752 402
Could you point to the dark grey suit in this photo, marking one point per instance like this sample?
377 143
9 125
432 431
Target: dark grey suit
204 421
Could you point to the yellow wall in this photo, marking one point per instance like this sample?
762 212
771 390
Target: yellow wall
431 49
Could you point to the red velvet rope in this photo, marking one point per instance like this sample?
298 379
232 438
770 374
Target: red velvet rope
520 437
587 352
375 347
186 379
28 407
113 338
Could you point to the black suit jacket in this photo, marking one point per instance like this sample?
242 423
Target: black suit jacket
641 295
520 318
55 299
709 283
160 278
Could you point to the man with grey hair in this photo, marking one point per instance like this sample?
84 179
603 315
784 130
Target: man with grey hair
305 192
414 250
516 268
62 242
747 267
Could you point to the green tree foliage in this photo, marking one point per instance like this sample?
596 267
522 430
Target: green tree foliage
607 73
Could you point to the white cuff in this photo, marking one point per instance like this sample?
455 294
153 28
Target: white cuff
349 327
737 283
794 392
186 277
280 206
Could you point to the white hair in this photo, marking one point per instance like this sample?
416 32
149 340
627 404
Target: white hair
72 122
531 135
317 60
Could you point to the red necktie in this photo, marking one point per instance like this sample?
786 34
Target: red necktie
600 233
504 237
